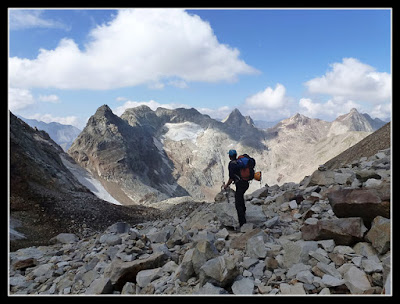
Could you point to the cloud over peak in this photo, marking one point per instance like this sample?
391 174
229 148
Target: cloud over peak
353 79
139 46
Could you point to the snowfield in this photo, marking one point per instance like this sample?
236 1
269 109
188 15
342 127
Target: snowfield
183 131
86 179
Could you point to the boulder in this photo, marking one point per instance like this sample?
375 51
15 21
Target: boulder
365 203
185 269
322 178
379 234
121 272
344 231
220 271
226 213
204 251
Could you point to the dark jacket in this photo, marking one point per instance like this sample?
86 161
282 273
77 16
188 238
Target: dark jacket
234 171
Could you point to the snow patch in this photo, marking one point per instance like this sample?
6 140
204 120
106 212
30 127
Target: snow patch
87 179
183 131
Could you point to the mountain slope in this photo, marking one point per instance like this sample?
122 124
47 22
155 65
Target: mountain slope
46 198
125 158
370 145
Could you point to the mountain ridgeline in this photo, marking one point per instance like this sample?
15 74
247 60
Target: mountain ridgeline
146 156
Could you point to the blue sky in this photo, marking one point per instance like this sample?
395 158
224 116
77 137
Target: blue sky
268 63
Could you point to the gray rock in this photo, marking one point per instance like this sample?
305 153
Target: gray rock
66 238
296 289
110 239
356 280
243 286
210 289
144 277
331 281
119 227
379 234
185 269
297 252
220 271
255 247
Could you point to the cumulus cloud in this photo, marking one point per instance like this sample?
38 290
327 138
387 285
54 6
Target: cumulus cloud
268 99
354 80
382 111
19 99
139 46
329 110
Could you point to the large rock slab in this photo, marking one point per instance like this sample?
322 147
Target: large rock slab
344 231
365 203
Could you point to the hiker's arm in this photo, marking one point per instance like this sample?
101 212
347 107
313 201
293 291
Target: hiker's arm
228 183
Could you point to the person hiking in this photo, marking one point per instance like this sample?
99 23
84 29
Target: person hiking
241 186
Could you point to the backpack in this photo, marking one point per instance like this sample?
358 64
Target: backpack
246 165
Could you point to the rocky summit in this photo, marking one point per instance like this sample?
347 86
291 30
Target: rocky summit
328 234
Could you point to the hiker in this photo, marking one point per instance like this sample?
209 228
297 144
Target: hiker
241 186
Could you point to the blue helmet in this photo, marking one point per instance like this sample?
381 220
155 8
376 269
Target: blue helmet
232 152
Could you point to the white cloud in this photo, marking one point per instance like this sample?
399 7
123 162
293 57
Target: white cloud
219 113
328 110
49 98
19 99
270 98
23 19
382 111
139 46
354 80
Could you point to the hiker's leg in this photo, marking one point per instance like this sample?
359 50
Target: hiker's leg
239 201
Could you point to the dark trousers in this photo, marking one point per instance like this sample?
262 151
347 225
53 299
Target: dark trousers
241 187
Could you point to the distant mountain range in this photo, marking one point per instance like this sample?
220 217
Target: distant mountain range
145 156
62 134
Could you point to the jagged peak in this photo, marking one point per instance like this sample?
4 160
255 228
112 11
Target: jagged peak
235 115
103 108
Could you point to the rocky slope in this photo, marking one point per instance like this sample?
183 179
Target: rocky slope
328 234
46 198
381 139
146 156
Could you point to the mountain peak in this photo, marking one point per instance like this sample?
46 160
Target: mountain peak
104 110
235 117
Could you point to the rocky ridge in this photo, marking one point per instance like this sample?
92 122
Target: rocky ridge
146 156
296 241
